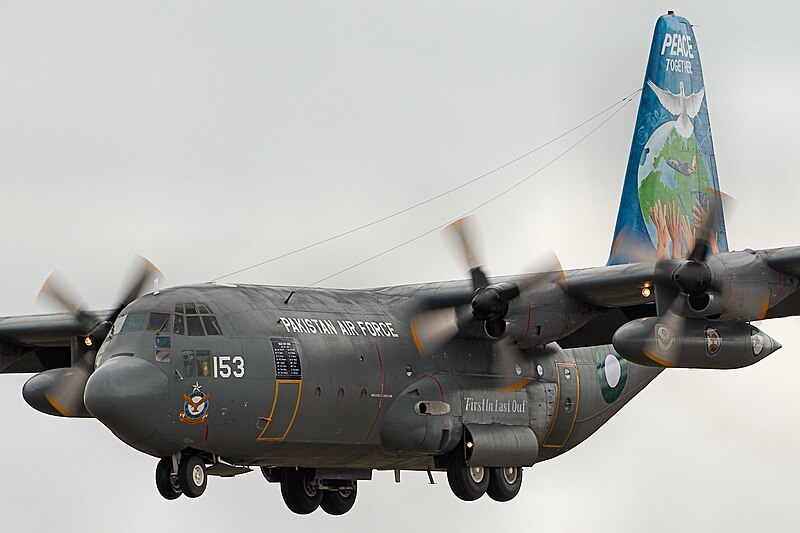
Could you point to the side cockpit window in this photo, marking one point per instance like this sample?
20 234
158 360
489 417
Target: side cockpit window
195 320
134 322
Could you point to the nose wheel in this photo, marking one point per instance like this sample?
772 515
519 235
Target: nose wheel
167 480
189 478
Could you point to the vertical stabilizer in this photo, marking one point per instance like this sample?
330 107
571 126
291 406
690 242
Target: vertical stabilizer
671 167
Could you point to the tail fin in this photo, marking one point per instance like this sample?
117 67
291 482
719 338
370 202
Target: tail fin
671 166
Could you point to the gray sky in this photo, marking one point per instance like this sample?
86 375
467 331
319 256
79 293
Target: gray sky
210 136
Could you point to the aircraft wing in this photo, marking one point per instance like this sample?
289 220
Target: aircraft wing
611 286
33 343
617 291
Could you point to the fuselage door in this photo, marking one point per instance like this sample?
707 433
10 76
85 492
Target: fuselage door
288 389
568 397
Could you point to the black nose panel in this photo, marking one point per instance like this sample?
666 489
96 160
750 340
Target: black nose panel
129 396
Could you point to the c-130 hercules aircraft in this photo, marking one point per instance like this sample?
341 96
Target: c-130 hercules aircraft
478 378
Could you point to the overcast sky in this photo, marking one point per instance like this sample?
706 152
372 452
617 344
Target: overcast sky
211 136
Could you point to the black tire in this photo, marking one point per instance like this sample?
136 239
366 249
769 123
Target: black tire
338 502
167 482
298 491
192 476
504 483
467 483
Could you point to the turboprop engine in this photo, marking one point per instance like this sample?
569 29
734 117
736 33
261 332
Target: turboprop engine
692 343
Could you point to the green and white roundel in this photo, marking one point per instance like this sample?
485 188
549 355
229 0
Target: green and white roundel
612 372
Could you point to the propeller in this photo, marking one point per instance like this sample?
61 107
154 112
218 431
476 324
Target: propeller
690 279
66 393
487 305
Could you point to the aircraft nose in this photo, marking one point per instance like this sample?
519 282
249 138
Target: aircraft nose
129 396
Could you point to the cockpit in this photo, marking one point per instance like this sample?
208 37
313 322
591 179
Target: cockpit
187 319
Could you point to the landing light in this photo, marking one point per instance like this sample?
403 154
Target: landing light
469 444
87 341
646 292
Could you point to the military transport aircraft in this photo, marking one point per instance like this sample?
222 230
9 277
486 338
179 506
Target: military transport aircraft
480 378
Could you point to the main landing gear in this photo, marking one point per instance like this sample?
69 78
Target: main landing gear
303 492
469 483
186 475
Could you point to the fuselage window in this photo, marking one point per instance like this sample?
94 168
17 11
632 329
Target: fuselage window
134 322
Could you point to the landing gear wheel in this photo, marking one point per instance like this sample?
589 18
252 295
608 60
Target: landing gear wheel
504 483
166 481
338 502
468 483
192 476
298 491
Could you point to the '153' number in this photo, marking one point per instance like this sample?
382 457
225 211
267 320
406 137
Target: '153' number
226 366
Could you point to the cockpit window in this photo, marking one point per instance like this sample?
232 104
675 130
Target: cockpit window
193 326
212 326
195 320
157 321
134 322
177 325
118 323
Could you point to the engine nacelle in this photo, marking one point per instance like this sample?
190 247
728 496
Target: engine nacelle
37 389
702 344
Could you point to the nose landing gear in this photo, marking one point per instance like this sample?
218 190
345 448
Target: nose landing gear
167 479
186 475
192 476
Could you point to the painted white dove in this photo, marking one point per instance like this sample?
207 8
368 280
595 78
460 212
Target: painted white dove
683 106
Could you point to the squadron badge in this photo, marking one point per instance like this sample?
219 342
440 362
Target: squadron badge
665 340
195 406
713 341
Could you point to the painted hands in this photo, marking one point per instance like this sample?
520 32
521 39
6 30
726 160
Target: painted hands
674 228
658 216
700 213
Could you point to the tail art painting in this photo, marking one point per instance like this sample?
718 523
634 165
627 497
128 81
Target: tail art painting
672 174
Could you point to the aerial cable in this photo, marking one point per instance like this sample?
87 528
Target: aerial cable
623 101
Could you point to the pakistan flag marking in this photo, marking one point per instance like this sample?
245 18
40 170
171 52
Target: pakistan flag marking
612 372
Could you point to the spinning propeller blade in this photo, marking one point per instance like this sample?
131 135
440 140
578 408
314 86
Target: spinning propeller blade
489 302
66 393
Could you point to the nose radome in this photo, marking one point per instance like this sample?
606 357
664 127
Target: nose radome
129 396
